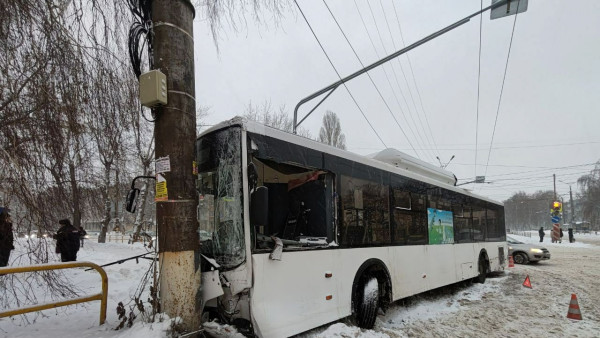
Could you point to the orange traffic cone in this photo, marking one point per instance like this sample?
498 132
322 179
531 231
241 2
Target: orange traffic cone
511 262
574 312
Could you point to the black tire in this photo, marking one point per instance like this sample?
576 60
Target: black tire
367 303
521 258
482 268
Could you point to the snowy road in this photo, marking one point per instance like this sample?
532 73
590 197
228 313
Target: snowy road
501 307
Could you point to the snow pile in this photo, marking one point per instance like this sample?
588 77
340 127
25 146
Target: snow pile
78 320
371 290
345 331
221 330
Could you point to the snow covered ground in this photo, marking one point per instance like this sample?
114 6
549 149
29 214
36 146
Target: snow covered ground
501 307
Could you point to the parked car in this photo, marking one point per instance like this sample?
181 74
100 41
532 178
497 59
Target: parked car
524 253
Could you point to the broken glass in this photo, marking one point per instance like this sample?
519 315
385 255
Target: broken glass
220 208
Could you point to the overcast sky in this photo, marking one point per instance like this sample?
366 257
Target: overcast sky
548 117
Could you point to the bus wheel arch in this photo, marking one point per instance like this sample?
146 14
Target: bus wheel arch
483 266
372 268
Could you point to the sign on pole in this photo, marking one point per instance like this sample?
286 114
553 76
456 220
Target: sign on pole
512 7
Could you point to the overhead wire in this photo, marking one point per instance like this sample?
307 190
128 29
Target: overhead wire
478 88
338 74
506 147
540 175
548 170
388 78
417 135
502 88
435 155
370 78
413 76
395 74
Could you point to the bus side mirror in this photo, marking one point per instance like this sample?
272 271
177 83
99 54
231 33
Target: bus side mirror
259 207
132 199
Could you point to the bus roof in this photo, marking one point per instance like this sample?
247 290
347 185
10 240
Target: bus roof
390 159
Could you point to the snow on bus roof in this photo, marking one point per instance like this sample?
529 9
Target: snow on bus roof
390 159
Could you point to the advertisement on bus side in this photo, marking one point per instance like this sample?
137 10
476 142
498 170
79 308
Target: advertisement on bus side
440 226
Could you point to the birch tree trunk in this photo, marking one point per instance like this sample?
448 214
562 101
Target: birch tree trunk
105 196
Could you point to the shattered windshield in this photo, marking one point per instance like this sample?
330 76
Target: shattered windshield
220 207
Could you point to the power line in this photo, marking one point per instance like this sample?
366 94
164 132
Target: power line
413 77
543 170
508 166
398 60
541 175
338 74
394 71
370 78
502 88
478 88
416 134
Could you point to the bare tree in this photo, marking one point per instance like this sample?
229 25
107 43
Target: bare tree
331 131
525 211
71 132
276 118
234 13
590 196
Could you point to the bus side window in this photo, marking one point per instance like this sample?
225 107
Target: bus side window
462 224
402 215
494 229
365 212
479 227
417 232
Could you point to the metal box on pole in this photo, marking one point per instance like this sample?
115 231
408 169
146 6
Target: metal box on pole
153 88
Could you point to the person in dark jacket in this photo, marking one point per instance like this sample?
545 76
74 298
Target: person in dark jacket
6 237
67 241
82 234
571 238
541 234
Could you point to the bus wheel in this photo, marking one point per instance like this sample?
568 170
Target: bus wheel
367 308
482 270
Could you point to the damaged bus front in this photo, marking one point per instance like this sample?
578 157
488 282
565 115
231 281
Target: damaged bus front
261 198
226 275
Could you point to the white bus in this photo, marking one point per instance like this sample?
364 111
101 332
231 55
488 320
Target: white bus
296 234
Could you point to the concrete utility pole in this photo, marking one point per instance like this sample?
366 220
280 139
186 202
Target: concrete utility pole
554 177
572 207
175 134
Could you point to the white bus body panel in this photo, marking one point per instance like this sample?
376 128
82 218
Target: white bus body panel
289 296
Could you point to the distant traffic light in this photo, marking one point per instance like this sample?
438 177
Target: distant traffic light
556 208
